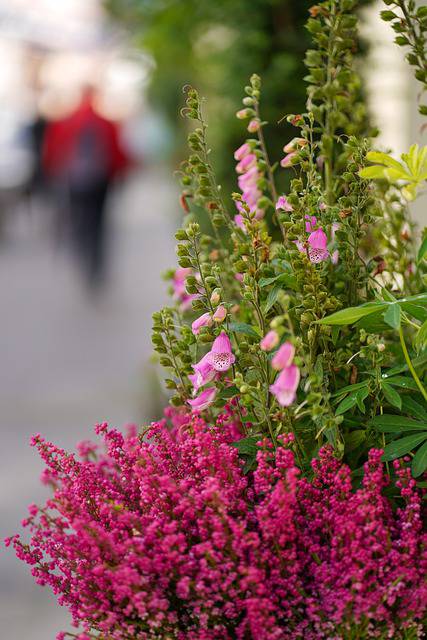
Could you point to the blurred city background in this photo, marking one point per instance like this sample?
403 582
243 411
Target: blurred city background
89 139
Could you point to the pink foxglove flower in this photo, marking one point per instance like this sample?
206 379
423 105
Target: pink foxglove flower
287 160
179 291
204 320
242 151
294 144
221 357
282 203
285 386
246 163
284 356
335 254
203 400
318 242
269 341
203 373
254 125
220 314
310 223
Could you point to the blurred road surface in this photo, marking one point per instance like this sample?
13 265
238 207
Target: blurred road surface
68 361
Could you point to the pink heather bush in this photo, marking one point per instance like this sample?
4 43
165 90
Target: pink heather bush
163 536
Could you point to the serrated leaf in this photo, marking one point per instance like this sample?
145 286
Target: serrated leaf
352 314
388 423
419 463
246 329
391 395
392 315
402 446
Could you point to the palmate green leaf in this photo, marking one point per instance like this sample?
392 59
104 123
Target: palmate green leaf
391 395
352 314
418 311
420 363
246 329
419 462
402 446
383 158
392 315
388 423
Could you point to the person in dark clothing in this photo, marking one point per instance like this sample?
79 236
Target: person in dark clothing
82 155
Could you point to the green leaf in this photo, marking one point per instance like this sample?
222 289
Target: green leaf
391 395
360 398
400 381
419 363
419 463
242 327
350 388
412 407
353 439
247 446
346 404
352 314
418 311
388 423
373 173
402 446
272 298
422 251
287 279
229 392
420 341
383 158
392 315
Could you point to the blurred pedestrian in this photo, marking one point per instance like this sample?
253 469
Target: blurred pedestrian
82 155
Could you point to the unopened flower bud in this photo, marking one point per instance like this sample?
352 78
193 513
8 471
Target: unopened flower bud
269 341
220 314
254 125
215 297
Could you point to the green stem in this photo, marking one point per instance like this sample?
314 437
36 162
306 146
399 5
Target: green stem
410 365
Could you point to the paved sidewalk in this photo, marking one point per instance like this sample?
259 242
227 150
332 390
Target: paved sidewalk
67 361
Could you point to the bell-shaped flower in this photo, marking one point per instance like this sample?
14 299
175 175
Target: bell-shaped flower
221 357
284 356
318 242
282 203
246 163
203 400
285 386
269 341
242 151
220 314
205 320
203 373
287 160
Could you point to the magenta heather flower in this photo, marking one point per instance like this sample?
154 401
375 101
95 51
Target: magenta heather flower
164 536
285 386
221 357
203 400
284 356
269 341
205 320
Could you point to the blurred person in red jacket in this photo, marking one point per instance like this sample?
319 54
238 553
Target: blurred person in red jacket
82 155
